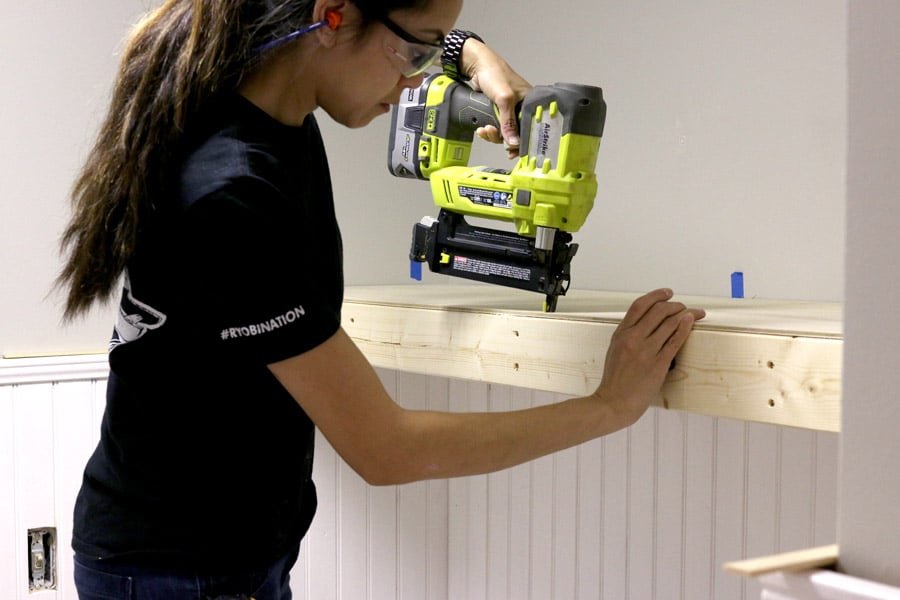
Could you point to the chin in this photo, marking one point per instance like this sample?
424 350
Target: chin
358 120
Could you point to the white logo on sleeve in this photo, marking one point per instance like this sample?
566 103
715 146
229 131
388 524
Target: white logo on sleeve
135 317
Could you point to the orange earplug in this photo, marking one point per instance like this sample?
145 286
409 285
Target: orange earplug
334 18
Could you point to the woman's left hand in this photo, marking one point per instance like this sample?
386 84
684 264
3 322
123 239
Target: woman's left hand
492 75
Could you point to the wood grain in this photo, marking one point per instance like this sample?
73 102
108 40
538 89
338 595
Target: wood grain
758 360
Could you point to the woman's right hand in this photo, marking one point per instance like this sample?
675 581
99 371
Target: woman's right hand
491 74
641 351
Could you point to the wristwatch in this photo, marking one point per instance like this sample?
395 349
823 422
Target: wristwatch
451 57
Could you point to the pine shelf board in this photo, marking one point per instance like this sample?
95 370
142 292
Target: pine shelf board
798 560
770 361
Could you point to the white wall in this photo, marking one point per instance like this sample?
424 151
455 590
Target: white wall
870 445
58 60
724 148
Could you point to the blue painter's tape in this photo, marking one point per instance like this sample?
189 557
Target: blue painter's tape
737 284
415 270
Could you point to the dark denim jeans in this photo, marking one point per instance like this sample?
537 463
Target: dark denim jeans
100 580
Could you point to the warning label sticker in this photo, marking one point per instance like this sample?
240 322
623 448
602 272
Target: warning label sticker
483 267
486 197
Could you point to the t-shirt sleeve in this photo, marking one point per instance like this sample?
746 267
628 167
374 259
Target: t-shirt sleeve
260 276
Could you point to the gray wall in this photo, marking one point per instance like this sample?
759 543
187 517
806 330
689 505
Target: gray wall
724 147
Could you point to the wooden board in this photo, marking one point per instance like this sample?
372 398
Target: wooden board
758 360
799 560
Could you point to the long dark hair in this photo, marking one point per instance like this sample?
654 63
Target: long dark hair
177 58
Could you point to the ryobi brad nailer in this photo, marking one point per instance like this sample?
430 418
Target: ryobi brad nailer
547 195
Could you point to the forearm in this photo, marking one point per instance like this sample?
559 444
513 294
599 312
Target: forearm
432 445
385 443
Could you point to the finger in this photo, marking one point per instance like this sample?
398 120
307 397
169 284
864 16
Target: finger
511 135
671 339
667 326
489 133
639 307
658 314
509 127
678 337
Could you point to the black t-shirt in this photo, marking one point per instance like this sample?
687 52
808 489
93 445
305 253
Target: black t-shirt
204 459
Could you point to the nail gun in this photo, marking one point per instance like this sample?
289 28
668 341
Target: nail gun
547 195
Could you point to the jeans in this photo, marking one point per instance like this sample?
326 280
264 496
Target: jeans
101 580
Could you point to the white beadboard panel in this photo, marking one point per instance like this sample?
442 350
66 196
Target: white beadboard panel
382 543
671 468
381 515
416 524
33 472
52 431
467 505
322 542
698 521
10 543
639 544
497 531
615 564
540 522
351 527
73 442
649 513
589 497
438 507
563 557
762 495
824 494
729 503
515 577
498 534
796 510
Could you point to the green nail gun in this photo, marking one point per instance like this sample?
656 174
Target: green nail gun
546 196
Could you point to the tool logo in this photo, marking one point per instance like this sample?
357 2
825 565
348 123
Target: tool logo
404 150
544 140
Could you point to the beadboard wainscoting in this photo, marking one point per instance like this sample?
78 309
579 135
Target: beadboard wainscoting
649 513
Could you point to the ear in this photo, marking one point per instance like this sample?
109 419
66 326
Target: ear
332 11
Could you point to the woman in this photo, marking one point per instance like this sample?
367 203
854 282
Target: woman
208 196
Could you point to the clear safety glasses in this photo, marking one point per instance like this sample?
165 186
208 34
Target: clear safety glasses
414 56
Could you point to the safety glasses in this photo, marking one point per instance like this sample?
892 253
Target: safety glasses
414 56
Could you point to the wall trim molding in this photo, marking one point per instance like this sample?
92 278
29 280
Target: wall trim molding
52 369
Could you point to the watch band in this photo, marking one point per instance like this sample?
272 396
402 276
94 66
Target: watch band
451 57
